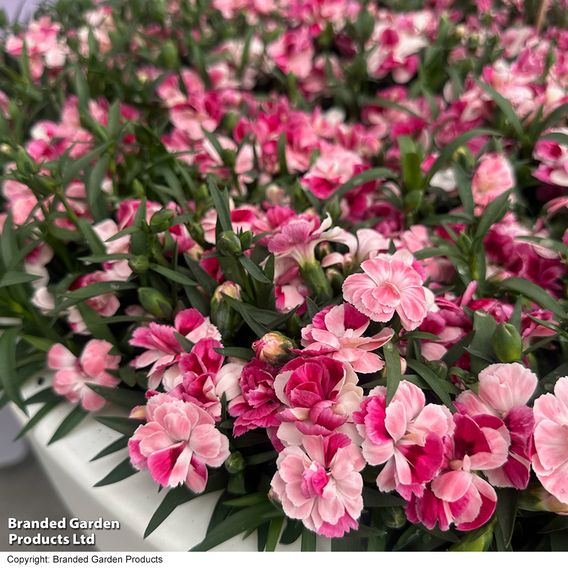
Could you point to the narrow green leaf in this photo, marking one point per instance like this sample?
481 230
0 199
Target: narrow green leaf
241 521
535 293
121 424
221 203
70 422
392 363
115 446
274 530
91 291
433 381
122 471
505 106
253 270
120 396
362 178
239 352
95 195
506 512
292 532
38 416
492 214
173 275
40 343
558 137
8 375
16 278
309 540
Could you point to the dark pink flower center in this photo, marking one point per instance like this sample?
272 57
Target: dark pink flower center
314 480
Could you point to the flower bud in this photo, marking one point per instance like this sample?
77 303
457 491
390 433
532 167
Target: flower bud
507 343
139 264
274 348
394 517
25 164
537 498
155 302
162 220
138 189
335 278
229 244
169 55
235 463
222 315
413 200
315 278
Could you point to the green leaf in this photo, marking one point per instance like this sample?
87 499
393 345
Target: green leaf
274 530
282 162
247 500
16 278
392 363
464 189
433 381
173 275
253 270
91 237
40 343
8 244
292 531
506 512
506 108
558 137
362 178
91 291
492 214
241 521
240 352
38 416
481 346
221 203
95 194
309 540
115 446
121 424
535 293
70 422
120 396
95 323
45 395
122 471
8 375
558 115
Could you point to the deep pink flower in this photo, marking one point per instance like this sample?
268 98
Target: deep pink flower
74 373
319 391
257 405
494 175
553 156
163 348
504 390
550 461
318 483
407 436
293 51
337 331
177 443
389 284
458 495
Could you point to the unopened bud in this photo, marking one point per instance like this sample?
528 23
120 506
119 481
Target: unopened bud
222 315
273 348
537 498
169 55
478 541
162 220
229 243
227 288
138 189
507 343
413 200
394 517
155 302
139 264
25 164
235 463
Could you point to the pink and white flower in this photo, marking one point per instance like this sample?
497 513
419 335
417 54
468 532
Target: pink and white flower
458 495
550 461
494 175
318 391
75 373
338 331
163 349
504 390
406 435
320 484
389 284
177 443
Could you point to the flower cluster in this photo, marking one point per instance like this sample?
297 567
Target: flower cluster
316 249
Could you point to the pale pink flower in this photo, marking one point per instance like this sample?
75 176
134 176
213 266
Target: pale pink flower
118 269
365 244
504 390
75 373
389 284
177 443
458 495
406 435
318 391
494 175
335 166
106 304
299 236
293 52
163 349
338 331
320 484
550 461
